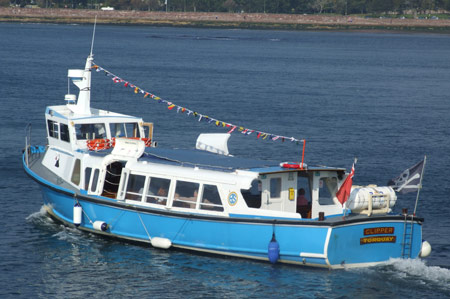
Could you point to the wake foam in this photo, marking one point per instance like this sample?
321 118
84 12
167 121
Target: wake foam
418 269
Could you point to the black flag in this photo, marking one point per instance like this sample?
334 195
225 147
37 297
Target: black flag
409 180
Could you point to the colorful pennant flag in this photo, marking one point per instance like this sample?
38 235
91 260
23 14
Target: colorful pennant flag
171 106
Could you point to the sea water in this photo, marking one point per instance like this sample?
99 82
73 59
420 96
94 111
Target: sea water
380 97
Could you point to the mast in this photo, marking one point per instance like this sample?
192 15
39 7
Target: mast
82 79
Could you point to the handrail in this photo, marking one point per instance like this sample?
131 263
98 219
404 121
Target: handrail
27 142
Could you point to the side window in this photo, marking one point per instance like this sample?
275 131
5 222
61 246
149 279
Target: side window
90 131
124 129
95 180
327 190
135 187
117 130
158 190
76 172
186 194
87 177
52 128
275 188
252 196
211 199
64 132
132 130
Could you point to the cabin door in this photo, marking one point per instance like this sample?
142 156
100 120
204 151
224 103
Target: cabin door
279 191
112 179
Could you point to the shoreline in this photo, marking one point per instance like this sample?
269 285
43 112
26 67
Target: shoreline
223 20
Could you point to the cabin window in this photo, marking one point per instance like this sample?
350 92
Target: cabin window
87 177
252 196
76 172
158 189
124 130
186 195
94 180
327 190
52 128
211 199
64 132
135 187
275 188
90 131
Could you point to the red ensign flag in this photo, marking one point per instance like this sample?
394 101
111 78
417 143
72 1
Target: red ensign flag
344 192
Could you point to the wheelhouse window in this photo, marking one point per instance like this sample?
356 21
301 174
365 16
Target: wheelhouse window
52 128
135 187
90 131
252 196
186 194
211 199
124 130
64 130
158 189
327 190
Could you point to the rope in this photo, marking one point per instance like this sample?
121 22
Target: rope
116 184
229 126
144 226
113 174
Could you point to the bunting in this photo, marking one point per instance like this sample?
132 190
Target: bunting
200 117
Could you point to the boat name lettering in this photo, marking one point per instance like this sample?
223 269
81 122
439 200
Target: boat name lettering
378 231
378 239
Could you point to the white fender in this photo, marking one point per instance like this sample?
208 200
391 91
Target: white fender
77 211
100 225
161 242
425 250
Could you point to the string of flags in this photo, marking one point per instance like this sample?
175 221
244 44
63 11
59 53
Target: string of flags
200 117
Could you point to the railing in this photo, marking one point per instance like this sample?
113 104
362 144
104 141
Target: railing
27 142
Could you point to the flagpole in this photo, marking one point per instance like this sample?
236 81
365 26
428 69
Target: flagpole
420 184
344 209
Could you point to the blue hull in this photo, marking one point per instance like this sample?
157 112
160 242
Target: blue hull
353 242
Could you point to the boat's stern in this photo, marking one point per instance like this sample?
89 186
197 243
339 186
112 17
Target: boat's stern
356 242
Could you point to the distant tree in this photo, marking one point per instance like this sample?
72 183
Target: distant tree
356 6
4 3
230 5
320 5
153 5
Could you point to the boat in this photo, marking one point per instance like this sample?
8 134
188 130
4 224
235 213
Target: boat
102 172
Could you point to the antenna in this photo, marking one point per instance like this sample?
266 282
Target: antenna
93 35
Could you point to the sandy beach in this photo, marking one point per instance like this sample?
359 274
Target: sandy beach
223 20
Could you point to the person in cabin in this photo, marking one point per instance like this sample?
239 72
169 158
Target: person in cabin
302 203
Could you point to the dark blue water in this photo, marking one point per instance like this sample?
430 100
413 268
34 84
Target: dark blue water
380 97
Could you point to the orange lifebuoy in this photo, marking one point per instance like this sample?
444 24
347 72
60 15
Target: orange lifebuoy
102 144
291 165
98 144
